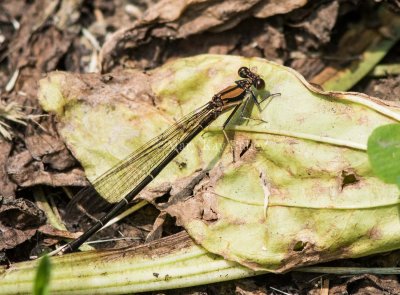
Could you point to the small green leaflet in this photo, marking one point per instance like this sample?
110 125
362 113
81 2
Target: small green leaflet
384 152
42 279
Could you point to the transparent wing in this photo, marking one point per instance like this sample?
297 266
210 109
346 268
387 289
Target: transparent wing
118 181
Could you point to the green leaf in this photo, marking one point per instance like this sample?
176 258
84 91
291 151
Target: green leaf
384 152
301 193
42 279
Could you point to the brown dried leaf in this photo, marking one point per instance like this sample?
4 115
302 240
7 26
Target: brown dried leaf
274 7
156 232
248 287
360 49
181 192
26 171
170 19
21 214
45 35
50 150
51 231
188 18
32 45
387 89
321 21
42 144
19 221
12 9
372 284
7 187
11 237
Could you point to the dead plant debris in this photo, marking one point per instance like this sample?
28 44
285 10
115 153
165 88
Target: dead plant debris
79 36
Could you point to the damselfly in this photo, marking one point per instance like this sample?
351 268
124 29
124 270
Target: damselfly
125 180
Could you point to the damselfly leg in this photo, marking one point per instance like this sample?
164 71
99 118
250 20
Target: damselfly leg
258 103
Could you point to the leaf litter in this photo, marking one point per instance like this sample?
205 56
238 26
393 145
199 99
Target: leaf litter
286 37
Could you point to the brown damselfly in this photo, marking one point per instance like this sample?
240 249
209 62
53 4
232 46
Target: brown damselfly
125 180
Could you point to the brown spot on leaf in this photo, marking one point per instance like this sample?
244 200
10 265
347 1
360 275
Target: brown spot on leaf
299 246
348 177
374 233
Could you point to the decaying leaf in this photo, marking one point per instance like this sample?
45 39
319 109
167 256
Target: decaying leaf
180 19
156 232
320 23
50 150
51 231
24 170
7 187
44 32
20 219
361 48
367 284
300 192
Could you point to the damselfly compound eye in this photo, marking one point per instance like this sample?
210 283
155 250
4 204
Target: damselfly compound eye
244 72
259 84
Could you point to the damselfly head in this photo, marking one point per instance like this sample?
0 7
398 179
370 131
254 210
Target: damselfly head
255 79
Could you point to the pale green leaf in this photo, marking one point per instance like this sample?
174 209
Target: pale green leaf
303 192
